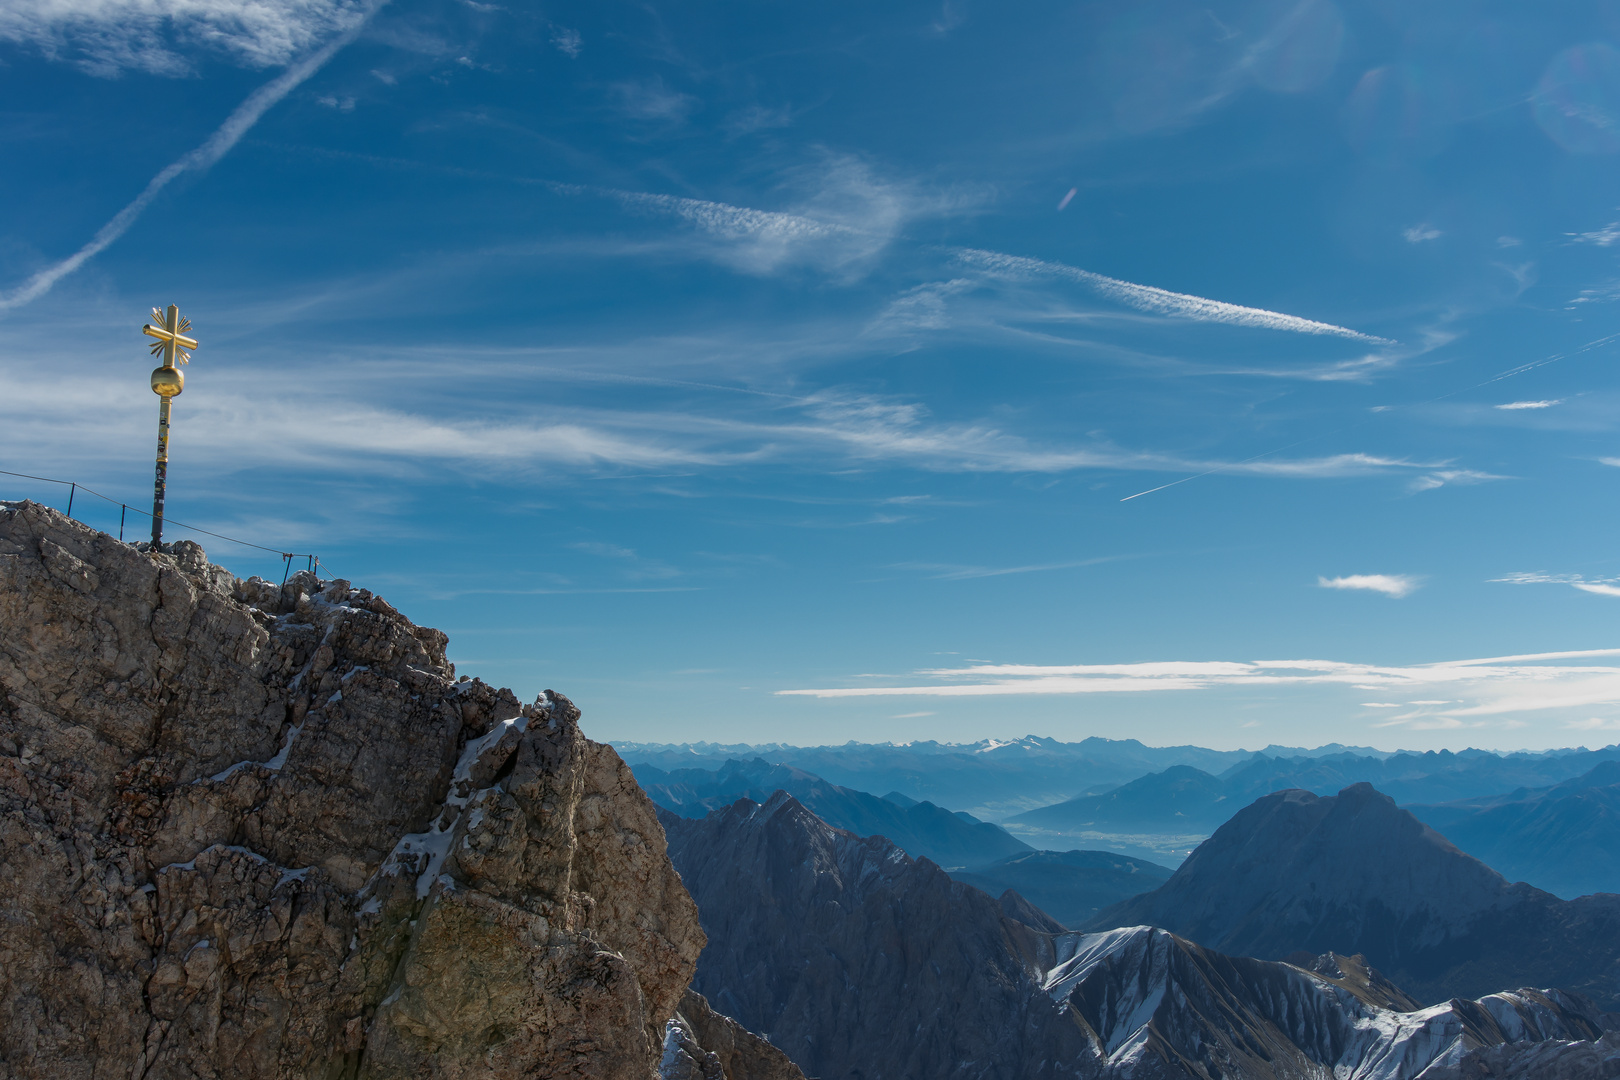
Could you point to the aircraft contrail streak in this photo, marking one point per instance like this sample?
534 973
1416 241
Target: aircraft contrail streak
215 147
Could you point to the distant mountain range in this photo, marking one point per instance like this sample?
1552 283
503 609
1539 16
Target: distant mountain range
955 840
1564 838
989 779
996 780
1551 819
1353 873
859 961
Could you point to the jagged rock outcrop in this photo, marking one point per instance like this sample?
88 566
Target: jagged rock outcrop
861 962
253 831
700 1044
1353 873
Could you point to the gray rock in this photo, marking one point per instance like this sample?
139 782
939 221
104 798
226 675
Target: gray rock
251 831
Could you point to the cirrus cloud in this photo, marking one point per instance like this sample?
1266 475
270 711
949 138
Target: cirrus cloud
1490 686
106 37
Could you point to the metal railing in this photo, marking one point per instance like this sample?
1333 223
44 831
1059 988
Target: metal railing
74 487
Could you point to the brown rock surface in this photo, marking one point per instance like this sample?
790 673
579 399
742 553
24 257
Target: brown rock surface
252 831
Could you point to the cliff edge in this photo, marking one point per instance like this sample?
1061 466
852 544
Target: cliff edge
260 831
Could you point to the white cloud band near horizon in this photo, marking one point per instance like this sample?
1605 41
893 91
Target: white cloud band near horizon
1489 686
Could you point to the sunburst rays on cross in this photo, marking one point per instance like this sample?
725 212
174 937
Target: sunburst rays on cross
172 331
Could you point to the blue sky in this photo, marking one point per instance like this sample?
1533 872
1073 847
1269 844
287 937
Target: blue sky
759 372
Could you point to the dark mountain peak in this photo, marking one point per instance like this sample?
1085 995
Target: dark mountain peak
1353 873
1308 855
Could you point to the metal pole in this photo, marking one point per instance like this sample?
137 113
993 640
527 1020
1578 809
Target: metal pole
162 474
122 510
72 491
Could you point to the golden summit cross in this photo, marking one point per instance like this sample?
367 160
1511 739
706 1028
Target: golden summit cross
173 342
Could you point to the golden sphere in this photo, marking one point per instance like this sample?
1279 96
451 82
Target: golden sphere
168 381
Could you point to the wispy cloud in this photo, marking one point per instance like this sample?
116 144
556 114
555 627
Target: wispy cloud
1598 586
650 99
1395 585
848 215
105 37
758 118
1441 477
199 160
1530 404
854 215
568 42
1418 234
955 572
1491 686
1603 237
1160 301
606 550
1606 292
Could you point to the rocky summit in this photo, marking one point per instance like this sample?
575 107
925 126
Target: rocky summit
253 830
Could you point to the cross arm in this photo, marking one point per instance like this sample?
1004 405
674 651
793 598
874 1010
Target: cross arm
163 334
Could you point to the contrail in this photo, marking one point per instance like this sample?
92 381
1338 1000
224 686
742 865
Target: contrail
217 146
1163 301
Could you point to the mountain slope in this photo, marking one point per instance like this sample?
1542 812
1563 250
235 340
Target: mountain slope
851 956
862 962
1071 886
1565 838
923 829
1352 873
1179 799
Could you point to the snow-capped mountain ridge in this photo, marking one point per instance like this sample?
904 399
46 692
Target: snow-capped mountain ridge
1140 990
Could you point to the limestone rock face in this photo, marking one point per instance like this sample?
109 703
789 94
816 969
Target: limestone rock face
256 831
